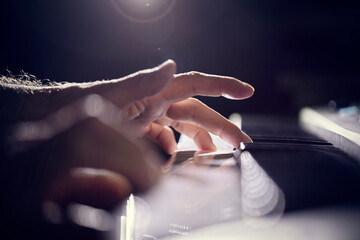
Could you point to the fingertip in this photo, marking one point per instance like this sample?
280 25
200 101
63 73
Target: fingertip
173 149
248 90
206 146
246 138
238 138
212 147
168 67
252 89
170 147
238 90
168 62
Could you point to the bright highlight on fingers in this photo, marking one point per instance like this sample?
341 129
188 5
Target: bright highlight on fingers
135 86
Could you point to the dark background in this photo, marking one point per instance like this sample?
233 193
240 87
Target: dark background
295 53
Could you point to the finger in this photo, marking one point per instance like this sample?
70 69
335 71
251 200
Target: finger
193 111
165 121
162 135
190 84
201 138
135 86
95 187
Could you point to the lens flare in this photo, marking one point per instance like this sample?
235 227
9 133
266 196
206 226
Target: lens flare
143 11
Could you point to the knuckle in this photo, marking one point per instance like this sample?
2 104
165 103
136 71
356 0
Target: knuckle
194 102
194 74
201 135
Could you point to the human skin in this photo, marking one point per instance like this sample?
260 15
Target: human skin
93 154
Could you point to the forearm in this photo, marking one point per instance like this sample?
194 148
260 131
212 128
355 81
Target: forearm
18 101
26 98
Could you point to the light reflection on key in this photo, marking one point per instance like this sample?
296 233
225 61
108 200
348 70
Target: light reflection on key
260 195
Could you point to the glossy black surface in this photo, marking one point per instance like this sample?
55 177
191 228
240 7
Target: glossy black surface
310 171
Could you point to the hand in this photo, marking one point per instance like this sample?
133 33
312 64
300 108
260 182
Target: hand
150 101
142 104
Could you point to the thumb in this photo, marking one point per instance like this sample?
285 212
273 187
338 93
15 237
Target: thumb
136 86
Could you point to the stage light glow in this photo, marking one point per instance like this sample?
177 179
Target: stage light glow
143 11
155 32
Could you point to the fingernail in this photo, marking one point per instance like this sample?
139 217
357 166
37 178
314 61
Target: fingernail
247 139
